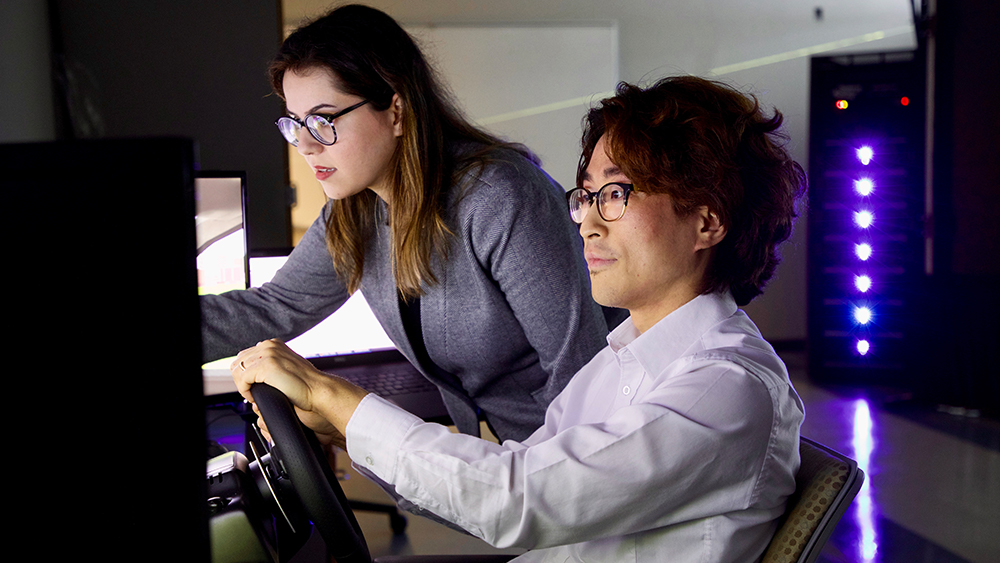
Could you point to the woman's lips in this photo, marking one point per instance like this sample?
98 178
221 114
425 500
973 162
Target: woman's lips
324 173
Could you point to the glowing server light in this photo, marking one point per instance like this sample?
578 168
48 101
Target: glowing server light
862 315
863 283
863 347
864 186
863 251
841 104
865 155
864 219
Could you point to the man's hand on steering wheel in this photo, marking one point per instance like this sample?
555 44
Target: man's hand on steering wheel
324 403
325 432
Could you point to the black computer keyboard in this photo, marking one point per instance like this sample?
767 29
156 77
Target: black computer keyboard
392 382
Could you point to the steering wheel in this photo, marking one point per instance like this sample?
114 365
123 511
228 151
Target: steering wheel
297 451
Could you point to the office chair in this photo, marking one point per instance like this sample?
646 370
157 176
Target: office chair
825 485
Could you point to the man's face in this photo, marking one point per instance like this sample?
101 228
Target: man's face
649 261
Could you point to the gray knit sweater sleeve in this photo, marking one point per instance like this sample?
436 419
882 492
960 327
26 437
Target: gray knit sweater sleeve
302 293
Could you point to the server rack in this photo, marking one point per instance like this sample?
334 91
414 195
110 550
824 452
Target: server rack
867 214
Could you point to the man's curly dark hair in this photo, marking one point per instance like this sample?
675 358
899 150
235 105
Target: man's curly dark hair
705 144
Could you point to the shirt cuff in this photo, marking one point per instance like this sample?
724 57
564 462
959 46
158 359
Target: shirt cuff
375 433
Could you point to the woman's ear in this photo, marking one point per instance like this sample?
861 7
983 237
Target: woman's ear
711 231
397 115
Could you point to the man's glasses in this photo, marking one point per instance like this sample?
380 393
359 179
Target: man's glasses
611 201
320 126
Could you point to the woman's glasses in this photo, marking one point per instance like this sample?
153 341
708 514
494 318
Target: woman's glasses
320 126
611 201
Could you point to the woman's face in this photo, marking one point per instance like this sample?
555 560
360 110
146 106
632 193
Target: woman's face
366 137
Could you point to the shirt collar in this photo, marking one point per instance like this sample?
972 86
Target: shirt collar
674 334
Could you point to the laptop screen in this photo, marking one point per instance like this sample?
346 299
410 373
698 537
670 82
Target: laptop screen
352 329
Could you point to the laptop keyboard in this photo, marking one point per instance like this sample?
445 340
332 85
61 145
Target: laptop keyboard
392 382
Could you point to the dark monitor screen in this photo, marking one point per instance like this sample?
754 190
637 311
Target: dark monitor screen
100 245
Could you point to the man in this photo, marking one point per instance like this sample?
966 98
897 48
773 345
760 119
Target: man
677 442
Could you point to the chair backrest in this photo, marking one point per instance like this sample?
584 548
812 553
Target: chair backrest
825 485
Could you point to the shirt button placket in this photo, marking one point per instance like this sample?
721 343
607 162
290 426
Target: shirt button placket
630 371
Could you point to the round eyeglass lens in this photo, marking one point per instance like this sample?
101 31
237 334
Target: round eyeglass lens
578 204
611 202
322 129
289 130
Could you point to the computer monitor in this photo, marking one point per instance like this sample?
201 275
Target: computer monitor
100 247
220 225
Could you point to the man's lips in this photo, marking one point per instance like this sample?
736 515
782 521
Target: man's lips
597 261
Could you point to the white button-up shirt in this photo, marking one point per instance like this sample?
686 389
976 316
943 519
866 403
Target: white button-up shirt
679 444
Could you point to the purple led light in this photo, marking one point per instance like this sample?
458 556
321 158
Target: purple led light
865 154
862 315
864 219
864 186
863 347
863 251
863 283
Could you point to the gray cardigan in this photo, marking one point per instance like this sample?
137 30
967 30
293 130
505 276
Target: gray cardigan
511 316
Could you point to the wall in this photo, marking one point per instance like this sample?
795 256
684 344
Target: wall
762 47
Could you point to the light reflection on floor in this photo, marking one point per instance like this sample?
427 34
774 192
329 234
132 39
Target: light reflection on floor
864 509
930 495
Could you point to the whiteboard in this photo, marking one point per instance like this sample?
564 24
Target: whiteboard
531 84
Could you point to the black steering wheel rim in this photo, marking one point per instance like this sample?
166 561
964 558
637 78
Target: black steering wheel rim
299 453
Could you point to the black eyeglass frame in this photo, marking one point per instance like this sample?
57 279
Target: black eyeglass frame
300 123
592 196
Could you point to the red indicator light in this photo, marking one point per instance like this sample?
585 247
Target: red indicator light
905 101
841 104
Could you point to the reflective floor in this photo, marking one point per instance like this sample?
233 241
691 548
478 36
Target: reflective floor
932 490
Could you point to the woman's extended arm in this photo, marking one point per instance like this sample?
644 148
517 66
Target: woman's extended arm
304 292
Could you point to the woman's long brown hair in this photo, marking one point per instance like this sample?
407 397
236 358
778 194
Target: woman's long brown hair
371 56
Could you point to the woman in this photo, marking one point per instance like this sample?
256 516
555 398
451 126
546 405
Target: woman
459 242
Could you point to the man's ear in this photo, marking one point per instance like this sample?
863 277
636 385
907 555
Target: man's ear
711 230
397 115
